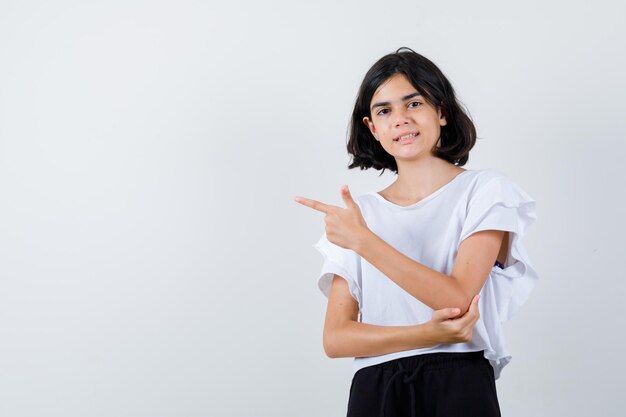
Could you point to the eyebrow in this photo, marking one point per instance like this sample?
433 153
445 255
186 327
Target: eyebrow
386 103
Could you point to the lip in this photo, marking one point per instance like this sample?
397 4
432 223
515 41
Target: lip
397 138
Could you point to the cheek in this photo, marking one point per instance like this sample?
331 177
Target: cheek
386 145
433 122
373 132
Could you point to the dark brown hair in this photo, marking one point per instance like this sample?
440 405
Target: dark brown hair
458 136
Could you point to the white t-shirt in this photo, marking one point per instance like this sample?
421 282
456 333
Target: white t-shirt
430 232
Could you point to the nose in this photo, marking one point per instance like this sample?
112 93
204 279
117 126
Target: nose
401 118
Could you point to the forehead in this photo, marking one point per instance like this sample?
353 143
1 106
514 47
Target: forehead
394 87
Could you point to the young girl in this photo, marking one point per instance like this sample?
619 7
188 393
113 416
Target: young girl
407 269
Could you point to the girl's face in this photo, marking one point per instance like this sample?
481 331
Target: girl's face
405 124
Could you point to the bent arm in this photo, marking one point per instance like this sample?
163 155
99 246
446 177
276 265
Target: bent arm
475 258
344 336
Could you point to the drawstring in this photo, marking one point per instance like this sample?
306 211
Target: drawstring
408 379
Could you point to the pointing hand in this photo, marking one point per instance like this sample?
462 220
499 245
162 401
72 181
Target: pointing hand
345 227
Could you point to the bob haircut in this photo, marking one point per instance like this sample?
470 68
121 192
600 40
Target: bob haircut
458 136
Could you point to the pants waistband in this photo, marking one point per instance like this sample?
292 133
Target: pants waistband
433 360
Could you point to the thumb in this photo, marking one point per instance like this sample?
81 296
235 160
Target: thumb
474 304
475 300
347 197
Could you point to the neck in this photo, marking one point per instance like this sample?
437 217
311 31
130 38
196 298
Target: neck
419 178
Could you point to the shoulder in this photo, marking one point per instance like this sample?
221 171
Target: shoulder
491 178
492 185
485 175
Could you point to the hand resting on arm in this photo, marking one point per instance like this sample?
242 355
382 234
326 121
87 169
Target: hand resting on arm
344 336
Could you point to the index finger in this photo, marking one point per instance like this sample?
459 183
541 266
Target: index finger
314 204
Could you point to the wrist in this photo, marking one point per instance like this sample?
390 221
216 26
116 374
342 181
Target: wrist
422 336
363 240
428 333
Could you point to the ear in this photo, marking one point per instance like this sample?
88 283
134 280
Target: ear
370 125
442 119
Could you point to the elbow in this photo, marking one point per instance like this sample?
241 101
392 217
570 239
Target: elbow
462 298
332 343
330 353
329 345
459 300
464 302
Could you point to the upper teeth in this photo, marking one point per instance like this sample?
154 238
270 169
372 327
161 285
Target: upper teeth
410 135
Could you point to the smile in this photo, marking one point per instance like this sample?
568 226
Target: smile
406 137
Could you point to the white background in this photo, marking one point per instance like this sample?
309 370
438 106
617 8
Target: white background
152 260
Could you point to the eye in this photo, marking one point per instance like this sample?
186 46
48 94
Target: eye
415 104
381 112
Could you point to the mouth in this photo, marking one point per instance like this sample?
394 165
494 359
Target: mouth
406 137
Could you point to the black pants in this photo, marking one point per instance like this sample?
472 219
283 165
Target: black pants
428 385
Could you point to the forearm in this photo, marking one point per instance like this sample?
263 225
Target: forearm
354 339
431 287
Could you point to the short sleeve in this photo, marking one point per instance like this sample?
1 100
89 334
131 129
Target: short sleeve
343 262
500 204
